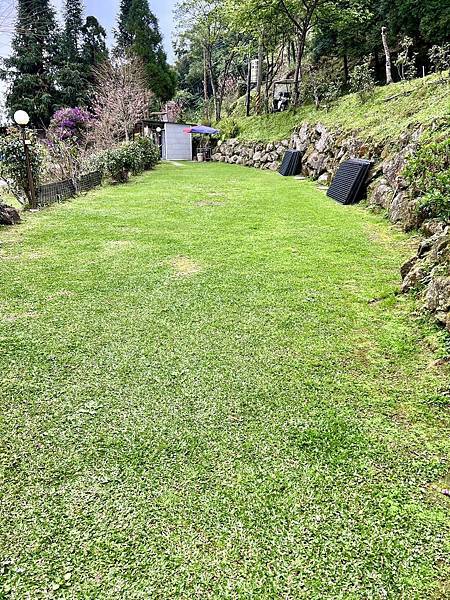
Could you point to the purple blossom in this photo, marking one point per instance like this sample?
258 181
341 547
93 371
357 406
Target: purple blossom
70 122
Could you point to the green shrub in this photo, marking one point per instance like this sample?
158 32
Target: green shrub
119 162
13 166
428 172
362 80
129 157
229 128
148 153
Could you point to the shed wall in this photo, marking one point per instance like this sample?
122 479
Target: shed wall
177 144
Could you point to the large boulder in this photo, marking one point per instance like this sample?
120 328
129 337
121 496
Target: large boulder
393 167
437 298
403 210
315 165
322 143
8 215
380 194
416 276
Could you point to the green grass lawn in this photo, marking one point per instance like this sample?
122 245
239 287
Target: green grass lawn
211 389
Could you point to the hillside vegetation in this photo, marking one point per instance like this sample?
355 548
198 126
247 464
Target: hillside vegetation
390 110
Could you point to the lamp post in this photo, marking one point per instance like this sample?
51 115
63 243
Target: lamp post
158 131
22 119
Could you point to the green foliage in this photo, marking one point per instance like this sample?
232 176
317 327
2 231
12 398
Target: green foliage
130 157
29 69
322 84
362 80
428 171
71 74
440 58
73 22
147 154
138 33
406 59
49 68
229 128
93 49
82 49
13 166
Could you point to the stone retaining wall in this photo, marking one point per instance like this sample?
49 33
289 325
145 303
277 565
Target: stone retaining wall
323 150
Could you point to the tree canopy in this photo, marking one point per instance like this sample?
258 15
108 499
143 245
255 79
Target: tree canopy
137 34
310 43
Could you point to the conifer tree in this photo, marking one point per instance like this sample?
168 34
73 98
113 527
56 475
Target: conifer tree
93 48
124 38
138 34
29 68
73 17
71 75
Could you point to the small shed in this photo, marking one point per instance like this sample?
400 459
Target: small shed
176 144
173 142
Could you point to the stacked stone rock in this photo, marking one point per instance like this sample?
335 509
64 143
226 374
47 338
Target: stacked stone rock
323 150
8 215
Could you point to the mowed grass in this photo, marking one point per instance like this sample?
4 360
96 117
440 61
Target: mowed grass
211 389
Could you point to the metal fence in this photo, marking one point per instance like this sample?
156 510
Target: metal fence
59 191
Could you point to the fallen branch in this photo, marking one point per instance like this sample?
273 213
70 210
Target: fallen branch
405 93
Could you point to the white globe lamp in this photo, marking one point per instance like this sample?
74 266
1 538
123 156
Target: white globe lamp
22 118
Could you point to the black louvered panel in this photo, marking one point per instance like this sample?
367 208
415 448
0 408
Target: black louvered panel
348 183
291 164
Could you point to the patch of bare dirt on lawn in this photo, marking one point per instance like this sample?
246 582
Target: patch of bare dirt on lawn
20 316
209 203
61 294
184 267
117 245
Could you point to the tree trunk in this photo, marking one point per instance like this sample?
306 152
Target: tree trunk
346 73
205 85
249 85
213 86
259 76
298 67
387 52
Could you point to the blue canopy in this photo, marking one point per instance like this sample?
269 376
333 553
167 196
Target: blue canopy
201 129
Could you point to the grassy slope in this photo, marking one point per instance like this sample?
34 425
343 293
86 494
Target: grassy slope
375 119
202 401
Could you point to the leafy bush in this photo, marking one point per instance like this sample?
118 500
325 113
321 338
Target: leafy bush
428 172
362 80
148 153
440 58
229 128
130 157
322 85
13 166
406 60
70 123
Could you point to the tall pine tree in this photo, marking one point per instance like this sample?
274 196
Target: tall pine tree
93 48
73 22
30 67
124 38
138 33
71 75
